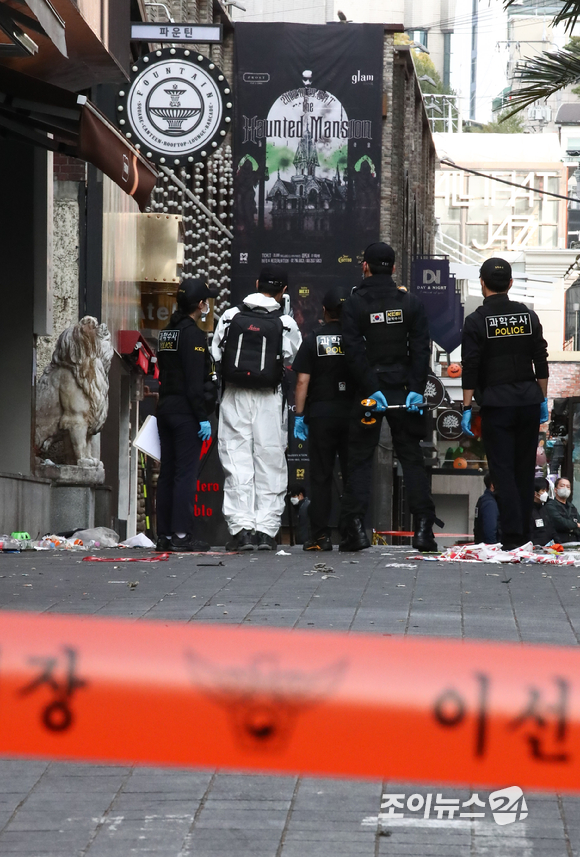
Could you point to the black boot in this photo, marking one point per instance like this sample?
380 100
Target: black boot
163 544
424 540
242 541
266 542
187 544
321 543
354 537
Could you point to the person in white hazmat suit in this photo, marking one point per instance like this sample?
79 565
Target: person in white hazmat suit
251 345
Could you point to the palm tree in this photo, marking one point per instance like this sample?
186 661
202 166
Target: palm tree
546 74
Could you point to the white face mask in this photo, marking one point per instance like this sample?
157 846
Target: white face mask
294 500
544 496
564 493
205 309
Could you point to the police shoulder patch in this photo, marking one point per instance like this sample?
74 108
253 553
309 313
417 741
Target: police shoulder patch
169 340
329 345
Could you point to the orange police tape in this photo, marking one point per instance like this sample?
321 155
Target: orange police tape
406 709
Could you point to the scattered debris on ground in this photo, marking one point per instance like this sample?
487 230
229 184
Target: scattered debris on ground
320 568
552 554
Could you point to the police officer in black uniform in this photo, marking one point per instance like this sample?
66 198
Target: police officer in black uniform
387 345
505 366
325 392
182 416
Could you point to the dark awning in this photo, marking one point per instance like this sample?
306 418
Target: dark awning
47 22
36 45
61 121
568 113
50 21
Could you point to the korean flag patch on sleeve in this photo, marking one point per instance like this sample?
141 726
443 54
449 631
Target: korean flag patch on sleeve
377 317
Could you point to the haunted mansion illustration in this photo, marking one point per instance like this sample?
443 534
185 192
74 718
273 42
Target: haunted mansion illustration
299 181
307 203
307 157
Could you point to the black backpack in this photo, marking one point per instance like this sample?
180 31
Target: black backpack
252 349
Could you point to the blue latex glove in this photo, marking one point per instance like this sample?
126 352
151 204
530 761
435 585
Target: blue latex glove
544 415
204 430
382 404
466 423
300 428
413 399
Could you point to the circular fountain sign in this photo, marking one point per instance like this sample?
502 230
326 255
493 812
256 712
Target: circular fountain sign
177 107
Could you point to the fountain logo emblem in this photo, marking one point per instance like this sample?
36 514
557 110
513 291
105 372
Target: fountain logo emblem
176 107
170 112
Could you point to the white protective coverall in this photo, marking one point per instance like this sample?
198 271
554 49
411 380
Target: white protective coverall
252 437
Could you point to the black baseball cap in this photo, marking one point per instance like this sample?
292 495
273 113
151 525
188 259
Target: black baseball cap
380 254
496 274
272 279
335 297
194 290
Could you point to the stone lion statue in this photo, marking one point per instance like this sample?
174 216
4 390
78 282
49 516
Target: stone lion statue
72 395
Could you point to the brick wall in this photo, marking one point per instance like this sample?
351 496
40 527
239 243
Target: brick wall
408 162
68 169
564 381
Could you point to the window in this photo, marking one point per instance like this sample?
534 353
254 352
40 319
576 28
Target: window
419 36
446 58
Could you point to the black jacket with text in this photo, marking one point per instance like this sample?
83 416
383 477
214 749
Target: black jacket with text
332 388
184 366
503 353
386 337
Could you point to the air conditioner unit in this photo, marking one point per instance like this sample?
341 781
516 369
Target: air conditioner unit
539 114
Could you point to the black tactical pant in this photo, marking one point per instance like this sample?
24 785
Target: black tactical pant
407 429
510 437
180 451
327 438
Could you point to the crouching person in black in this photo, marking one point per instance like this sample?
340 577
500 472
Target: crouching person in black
182 416
542 529
562 513
486 523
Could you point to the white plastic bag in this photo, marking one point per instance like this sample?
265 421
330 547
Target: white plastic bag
138 541
103 537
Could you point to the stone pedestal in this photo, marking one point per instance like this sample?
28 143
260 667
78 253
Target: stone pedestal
71 474
78 498
72 507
